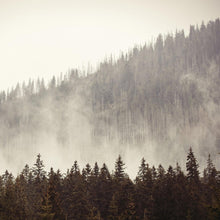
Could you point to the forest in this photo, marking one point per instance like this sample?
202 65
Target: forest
95 193
165 93
158 98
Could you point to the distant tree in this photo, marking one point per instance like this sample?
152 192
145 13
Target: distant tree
52 83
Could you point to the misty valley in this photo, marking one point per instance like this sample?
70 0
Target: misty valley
159 101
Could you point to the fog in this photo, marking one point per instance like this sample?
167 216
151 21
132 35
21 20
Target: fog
152 100
61 129
63 140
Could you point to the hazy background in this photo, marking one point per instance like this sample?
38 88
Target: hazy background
45 37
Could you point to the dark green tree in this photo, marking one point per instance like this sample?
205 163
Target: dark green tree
119 173
195 201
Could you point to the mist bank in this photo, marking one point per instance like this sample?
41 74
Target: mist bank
154 102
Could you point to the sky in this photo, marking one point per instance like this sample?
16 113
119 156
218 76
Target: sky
42 38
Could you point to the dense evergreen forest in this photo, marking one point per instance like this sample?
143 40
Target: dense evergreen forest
95 193
161 94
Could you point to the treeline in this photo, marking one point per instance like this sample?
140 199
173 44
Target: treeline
95 193
38 87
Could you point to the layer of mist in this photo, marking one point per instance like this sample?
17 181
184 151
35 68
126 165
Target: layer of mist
154 102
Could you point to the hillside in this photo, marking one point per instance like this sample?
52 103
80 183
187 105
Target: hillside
158 99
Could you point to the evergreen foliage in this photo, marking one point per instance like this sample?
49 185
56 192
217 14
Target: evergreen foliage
153 195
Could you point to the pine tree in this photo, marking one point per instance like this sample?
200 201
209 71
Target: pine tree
119 169
9 199
159 197
195 205
142 171
94 187
54 193
38 184
180 194
105 190
75 202
211 190
22 207
38 169
95 171
87 172
144 185
75 169
192 168
211 172
79 207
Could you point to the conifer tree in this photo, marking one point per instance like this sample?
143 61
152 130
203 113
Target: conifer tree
195 205
38 169
54 193
192 168
105 190
144 185
22 207
142 171
9 200
79 207
94 187
38 184
119 169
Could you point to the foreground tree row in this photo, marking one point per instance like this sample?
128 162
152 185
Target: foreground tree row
94 193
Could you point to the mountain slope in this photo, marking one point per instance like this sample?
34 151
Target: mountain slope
157 100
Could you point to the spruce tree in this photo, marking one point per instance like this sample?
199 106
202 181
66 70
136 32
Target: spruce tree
195 205
192 168
119 169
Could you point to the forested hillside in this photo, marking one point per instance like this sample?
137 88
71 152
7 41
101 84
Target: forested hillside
163 96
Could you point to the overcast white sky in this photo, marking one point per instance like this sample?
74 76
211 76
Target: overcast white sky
45 37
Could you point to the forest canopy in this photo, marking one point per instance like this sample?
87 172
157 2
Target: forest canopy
96 193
